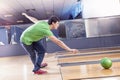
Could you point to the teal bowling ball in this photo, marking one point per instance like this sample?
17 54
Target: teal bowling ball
106 63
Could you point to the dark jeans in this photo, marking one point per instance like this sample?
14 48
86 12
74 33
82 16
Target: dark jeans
36 52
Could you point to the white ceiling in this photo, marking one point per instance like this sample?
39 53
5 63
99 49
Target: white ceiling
41 9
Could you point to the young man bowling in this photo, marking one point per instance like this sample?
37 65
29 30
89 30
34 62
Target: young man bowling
30 40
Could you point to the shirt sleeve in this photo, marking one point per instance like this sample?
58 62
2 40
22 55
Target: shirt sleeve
49 33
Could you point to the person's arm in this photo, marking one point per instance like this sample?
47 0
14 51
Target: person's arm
34 20
61 44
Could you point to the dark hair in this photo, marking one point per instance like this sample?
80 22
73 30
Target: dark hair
53 19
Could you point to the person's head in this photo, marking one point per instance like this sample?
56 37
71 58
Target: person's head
53 22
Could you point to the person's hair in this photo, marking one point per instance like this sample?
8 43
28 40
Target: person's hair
53 19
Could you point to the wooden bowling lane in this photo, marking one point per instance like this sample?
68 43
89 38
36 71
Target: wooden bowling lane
91 72
91 50
88 58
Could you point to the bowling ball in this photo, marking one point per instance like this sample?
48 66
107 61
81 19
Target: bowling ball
106 63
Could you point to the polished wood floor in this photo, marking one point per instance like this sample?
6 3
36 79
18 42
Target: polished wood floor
20 67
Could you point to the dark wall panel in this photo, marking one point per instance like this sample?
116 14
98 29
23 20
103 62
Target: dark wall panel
3 36
86 43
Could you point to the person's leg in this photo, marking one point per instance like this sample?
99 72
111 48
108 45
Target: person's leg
43 42
31 52
41 52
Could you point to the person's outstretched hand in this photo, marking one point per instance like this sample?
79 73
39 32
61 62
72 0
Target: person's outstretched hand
74 51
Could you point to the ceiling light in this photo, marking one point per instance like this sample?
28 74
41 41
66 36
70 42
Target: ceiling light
19 21
8 15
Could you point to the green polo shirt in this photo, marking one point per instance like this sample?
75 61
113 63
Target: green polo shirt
36 32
